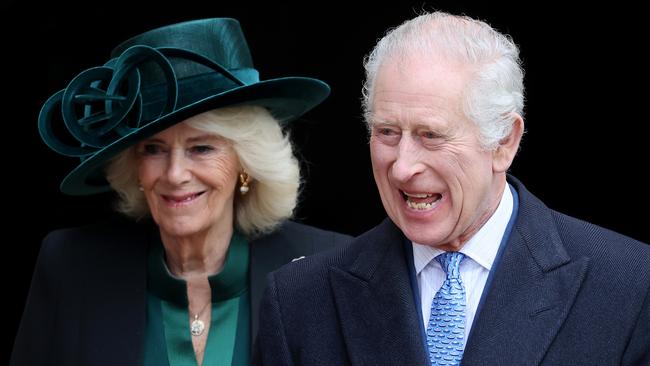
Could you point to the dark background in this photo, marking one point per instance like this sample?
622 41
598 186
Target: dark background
584 153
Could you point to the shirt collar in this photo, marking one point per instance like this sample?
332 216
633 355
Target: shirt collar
230 282
483 246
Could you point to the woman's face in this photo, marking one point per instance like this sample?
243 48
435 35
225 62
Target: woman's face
189 178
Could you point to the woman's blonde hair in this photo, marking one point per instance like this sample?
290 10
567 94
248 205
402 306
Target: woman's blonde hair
264 152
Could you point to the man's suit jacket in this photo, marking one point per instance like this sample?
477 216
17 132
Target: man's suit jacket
565 292
87 302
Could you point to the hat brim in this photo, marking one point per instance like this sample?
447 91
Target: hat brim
286 98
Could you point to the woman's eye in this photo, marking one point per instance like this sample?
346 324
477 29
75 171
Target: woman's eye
202 149
151 149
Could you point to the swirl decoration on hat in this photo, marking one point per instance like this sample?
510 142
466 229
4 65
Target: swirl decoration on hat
103 104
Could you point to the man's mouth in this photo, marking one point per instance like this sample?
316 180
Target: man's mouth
421 201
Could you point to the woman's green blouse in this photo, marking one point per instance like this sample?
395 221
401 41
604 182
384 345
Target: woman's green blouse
168 340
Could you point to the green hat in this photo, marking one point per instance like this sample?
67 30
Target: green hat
155 80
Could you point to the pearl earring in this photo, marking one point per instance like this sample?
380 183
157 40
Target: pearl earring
140 189
244 178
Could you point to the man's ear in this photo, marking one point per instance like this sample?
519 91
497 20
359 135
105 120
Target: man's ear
505 153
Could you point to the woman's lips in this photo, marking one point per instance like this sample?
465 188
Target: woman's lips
181 200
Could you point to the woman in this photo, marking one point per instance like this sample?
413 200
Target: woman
180 126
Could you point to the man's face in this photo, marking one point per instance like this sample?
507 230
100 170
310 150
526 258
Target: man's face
435 180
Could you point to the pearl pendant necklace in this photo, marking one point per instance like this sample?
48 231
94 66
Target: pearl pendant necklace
197 326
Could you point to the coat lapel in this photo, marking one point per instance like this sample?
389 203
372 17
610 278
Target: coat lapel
375 305
266 255
290 242
532 291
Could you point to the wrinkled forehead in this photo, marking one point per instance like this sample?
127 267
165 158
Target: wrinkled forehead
424 70
415 88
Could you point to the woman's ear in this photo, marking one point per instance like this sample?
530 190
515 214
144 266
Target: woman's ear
505 153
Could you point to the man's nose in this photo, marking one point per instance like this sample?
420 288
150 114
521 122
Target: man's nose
408 162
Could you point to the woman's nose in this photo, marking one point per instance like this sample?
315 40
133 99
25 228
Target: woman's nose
178 168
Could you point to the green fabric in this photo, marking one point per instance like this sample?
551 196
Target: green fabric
168 339
223 332
155 349
242 350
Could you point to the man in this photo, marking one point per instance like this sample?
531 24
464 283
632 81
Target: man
470 266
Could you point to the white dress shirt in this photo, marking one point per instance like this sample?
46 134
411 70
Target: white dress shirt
479 251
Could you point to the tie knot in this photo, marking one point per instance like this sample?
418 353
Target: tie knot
450 261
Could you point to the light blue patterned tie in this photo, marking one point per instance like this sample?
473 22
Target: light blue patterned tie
446 329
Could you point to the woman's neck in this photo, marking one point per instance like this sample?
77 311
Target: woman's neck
197 256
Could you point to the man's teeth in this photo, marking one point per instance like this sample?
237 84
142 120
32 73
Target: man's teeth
411 199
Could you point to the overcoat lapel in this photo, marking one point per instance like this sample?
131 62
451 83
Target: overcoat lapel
375 305
290 242
264 253
268 253
532 291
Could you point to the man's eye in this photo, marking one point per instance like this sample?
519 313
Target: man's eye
431 139
429 135
387 131
387 135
